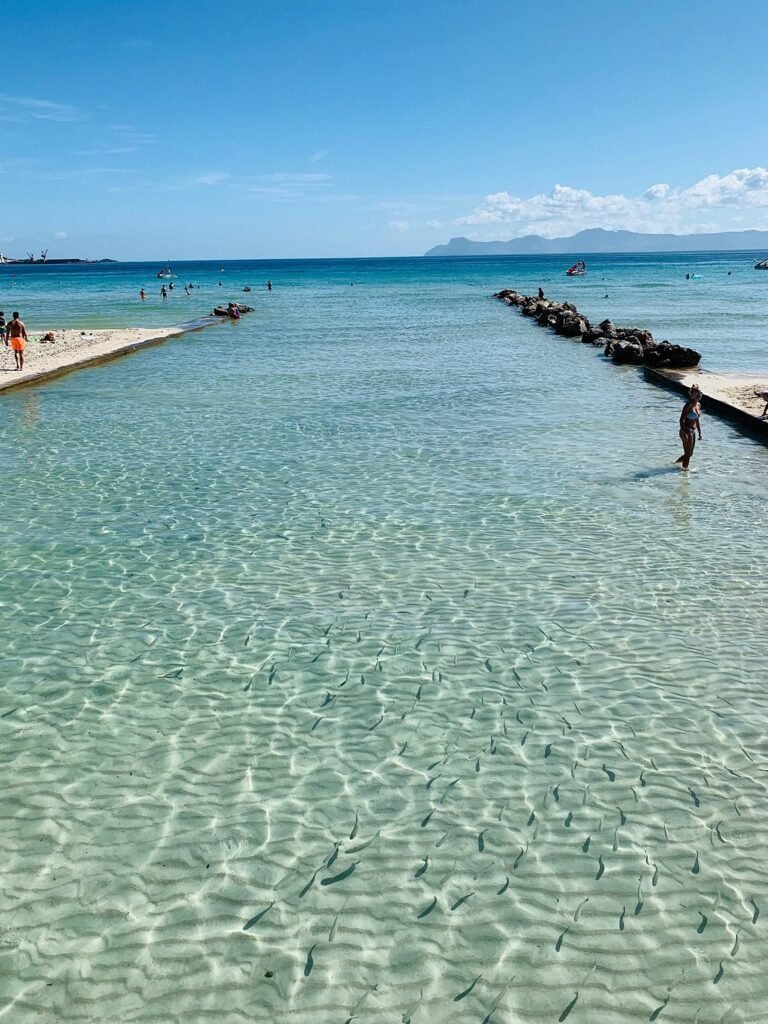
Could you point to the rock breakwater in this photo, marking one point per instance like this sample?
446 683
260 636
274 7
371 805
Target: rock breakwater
622 344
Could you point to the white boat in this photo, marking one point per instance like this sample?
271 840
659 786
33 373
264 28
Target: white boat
166 272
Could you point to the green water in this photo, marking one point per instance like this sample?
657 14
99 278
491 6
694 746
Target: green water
387 580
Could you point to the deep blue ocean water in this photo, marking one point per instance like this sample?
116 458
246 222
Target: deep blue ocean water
347 650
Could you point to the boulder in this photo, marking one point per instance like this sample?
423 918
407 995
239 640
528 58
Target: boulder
627 352
672 357
593 336
224 310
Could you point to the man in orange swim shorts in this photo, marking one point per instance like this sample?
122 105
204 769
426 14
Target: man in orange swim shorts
17 336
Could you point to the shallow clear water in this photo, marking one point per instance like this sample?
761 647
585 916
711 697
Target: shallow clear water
386 578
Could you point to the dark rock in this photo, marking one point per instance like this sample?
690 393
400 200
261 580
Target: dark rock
224 310
673 357
593 336
627 352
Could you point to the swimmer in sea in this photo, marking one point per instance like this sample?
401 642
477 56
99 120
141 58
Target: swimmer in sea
690 425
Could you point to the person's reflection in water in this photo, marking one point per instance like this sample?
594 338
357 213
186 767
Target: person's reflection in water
30 410
680 502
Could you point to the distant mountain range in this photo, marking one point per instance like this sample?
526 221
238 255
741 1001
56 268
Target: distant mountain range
598 240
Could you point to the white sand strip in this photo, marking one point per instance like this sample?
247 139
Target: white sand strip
73 349
728 392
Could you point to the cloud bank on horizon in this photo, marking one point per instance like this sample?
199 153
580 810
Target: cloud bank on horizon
734 201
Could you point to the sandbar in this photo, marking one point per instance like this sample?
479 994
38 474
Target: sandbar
73 349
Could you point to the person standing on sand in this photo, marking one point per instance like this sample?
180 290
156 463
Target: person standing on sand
690 425
2 327
17 335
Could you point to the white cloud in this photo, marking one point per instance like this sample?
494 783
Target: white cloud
26 108
399 225
212 178
60 235
708 205
321 154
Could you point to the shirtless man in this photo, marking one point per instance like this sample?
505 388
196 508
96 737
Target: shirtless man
17 336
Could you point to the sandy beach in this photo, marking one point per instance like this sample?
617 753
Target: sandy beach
72 348
737 390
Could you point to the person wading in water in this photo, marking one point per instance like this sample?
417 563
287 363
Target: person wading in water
690 425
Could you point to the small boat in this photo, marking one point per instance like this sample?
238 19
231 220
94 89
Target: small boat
165 272
761 265
578 269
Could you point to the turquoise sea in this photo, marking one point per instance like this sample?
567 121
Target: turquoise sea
368 659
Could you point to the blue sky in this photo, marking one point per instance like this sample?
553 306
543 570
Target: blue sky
323 128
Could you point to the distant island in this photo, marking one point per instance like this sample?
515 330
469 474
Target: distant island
598 240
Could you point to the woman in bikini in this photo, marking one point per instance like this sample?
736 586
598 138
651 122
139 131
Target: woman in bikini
690 425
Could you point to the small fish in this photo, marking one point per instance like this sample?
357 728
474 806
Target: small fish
655 878
718 833
703 924
423 867
466 991
428 909
569 819
442 839
309 885
257 918
375 724
418 693
519 857
481 841
328 698
695 869
559 943
568 1009
332 933
600 869
353 833
577 914
547 750
611 775
310 962
473 713
503 889
462 899
615 840
401 751
621 918
757 910
7 714
638 907
720 973
340 877
696 801
425 821
642 780
488 665
366 844
532 818
492 747
556 794
317 722
622 817
585 845
435 764
735 949
658 1010
432 781
477 765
